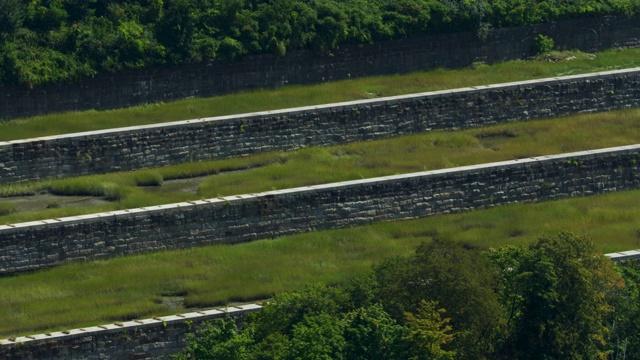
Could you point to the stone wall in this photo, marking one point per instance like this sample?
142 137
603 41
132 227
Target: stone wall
151 339
228 136
128 88
140 339
36 245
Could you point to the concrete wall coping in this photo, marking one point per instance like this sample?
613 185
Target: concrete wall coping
149 210
125 325
79 136
196 315
624 255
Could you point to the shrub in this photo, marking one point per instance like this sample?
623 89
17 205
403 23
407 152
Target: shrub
542 44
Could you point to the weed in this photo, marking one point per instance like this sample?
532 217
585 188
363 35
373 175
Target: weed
542 44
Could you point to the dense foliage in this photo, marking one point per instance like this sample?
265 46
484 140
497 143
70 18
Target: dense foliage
44 41
556 299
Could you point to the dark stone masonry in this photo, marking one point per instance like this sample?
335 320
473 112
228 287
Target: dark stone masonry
27 247
37 245
236 135
126 88
139 339
147 339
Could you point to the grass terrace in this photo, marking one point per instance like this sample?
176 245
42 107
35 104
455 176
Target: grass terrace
97 292
270 171
84 294
551 65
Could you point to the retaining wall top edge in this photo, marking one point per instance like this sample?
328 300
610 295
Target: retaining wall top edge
336 185
181 317
204 314
630 252
186 316
346 104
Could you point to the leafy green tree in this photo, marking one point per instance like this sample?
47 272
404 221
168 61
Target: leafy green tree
81 38
175 30
428 332
562 285
45 15
285 310
11 16
218 340
318 337
407 17
624 322
25 60
330 27
461 280
95 41
370 333
275 346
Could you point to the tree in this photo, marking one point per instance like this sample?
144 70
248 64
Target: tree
219 340
428 332
562 286
285 310
624 322
370 333
175 29
460 280
11 16
318 338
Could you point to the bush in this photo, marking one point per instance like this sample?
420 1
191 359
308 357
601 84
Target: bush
542 44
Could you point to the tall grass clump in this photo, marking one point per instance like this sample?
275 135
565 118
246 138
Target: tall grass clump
147 178
6 208
23 189
82 186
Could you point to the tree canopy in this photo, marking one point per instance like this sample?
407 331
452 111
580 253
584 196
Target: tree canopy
45 41
558 298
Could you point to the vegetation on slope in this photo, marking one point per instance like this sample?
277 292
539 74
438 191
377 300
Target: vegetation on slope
557 298
270 171
157 284
550 65
46 41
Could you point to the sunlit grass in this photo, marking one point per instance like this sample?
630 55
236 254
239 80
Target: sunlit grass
270 171
84 294
293 96
91 293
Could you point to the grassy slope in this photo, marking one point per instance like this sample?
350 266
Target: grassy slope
132 287
292 96
84 294
337 163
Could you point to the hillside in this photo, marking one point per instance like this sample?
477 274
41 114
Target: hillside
49 41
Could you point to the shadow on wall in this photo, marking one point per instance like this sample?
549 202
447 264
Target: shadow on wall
107 91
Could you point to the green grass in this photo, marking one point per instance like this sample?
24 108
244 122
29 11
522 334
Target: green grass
293 96
84 294
310 166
